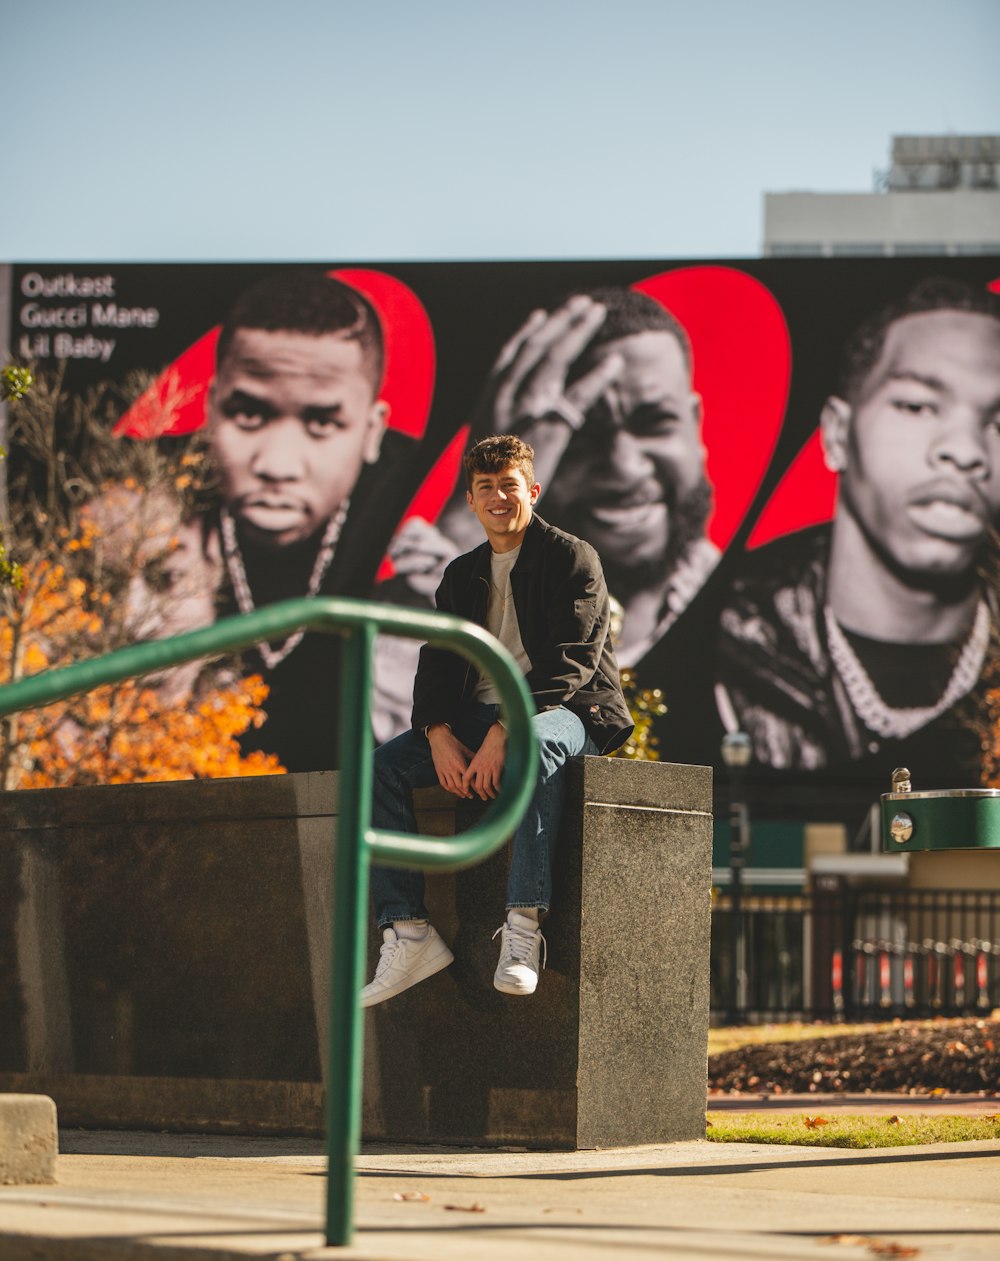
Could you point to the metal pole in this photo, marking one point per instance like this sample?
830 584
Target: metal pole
735 892
743 830
350 918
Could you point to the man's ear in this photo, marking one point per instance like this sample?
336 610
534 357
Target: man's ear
697 415
377 418
469 501
534 491
212 405
835 426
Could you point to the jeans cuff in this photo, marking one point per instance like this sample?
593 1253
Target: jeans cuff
388 915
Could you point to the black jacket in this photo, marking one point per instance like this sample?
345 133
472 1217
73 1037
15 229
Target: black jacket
563 616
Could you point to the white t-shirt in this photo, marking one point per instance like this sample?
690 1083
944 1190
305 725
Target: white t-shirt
501 621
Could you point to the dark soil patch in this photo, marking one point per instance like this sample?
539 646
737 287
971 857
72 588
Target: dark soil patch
913 1058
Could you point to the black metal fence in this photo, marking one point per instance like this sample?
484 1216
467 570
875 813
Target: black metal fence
847 953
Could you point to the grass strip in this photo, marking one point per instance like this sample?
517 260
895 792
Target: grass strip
816 1130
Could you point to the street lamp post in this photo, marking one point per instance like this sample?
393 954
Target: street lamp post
736 754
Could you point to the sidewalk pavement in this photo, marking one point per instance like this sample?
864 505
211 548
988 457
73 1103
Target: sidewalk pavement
167 1197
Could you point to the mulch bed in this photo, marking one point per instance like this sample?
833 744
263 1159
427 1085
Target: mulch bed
911 1057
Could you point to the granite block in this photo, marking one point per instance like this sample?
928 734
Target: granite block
612 1048
203 800
172 936
28 1140
171 945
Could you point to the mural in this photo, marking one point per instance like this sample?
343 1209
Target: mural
790 468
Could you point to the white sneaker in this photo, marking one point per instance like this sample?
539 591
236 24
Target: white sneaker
517 971
403 961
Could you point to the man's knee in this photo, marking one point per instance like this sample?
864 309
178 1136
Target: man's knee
556 747
551 750
403 763
382 761
391 757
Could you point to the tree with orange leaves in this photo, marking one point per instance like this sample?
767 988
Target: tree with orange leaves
991 739
104 559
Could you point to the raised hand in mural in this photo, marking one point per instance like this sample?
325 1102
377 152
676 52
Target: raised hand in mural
420 553
532 391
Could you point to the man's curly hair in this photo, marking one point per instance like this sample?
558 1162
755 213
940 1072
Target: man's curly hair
500 451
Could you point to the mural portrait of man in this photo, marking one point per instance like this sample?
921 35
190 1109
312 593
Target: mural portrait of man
867 637
601 388
306 478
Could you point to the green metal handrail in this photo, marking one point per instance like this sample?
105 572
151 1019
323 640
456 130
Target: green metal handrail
357 843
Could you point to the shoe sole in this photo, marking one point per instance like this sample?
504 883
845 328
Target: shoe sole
517 991
428 968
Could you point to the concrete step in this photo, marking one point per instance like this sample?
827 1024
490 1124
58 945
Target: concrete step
28 1139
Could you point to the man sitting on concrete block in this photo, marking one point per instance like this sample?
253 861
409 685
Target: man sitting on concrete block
542 593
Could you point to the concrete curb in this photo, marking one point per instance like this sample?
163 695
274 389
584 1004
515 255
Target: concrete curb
28 1140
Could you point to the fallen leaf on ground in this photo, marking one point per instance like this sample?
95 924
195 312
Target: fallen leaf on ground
890 1249
814 1122
893 1120
938 1091
849 1240
420 1196
465 1208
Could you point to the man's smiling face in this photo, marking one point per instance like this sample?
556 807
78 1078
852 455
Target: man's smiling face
503 503
293 420
638 455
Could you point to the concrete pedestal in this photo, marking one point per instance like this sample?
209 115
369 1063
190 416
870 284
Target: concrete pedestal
164 963
612 1048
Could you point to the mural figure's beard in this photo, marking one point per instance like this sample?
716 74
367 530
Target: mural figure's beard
688 516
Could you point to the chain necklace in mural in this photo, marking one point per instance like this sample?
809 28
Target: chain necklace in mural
244 597
897 724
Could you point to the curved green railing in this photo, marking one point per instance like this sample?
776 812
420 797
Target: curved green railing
356 623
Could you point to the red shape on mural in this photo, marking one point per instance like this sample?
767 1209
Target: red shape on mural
742 368
806 495
176 401
408 342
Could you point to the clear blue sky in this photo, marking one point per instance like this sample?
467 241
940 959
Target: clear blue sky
443 129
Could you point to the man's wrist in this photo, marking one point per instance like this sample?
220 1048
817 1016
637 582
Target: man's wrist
566 411
432 726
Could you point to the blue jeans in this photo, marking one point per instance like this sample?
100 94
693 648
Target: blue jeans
405 763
